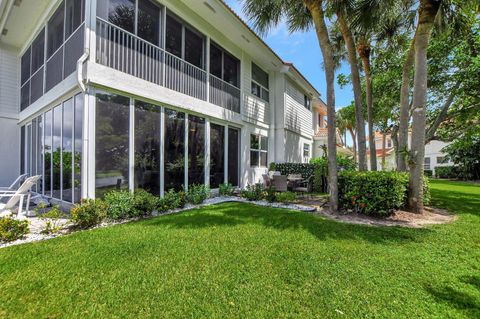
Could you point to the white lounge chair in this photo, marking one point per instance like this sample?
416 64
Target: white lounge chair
17 196
16 183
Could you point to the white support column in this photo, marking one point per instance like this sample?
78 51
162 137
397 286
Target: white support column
207 66
162 151
131 146
207 152
225 156
88 147
91 28
186 153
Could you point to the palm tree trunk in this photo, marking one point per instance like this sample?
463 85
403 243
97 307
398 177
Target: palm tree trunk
404 109
316 10
354 143
427 11
357 91
384 151
363 49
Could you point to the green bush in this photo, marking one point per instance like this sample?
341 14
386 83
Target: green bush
286 197
197 193
89 212
226 189
270 194
426 191
448 172
253 192
51 218
144 202
12 229
121 204
428 173
344 163
304 169
372 193
171 200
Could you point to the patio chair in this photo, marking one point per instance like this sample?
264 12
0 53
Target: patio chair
273 173
17 196
16 183
266 180
280 183
305 186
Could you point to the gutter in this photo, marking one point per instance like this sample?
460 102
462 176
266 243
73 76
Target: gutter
80 63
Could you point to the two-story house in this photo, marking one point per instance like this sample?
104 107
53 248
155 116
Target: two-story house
155 94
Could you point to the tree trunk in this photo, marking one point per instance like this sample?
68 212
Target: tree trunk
354 143
316 10
394 137
357 91
432 130
384 151
427 11
364 49
404 109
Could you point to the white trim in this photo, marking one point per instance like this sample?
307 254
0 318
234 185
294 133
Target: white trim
225 155
206 153
185 180
162 151
131 146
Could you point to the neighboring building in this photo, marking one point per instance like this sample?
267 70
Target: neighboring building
123 94
434 156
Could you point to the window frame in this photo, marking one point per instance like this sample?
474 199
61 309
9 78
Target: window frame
260 150
306 148
307 101
261 86
427 163
222 64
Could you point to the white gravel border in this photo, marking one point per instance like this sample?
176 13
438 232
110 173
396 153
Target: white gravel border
36 236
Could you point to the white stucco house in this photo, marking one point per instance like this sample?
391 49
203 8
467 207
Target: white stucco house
154 94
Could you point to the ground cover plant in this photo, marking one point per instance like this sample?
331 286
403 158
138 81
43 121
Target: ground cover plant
238 260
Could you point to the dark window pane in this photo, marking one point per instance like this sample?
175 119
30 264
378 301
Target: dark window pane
174 150
173 36
264 143
34 150
37 86
54 70
230 69
263 159
111 148
22 149
196 150
74 15
259 76
56 151
254 142
254 158
122 14
217 155
148 21
55 31
78 144
39 152
28 150
194 48
215 61
47 151
233 158
265 95
25 66
73 51
25 96
38 51
147 147
67 150
256 90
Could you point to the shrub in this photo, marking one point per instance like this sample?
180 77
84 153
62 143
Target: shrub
121 204
426 191
270 194
171 200
89 212
197 193
12 229
51 218
286 197
253 192
226 189
304 169
145 202
372 193
428 173
448 172
344 163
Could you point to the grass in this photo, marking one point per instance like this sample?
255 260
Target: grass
238 260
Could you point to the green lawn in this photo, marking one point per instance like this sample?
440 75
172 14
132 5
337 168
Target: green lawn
239 260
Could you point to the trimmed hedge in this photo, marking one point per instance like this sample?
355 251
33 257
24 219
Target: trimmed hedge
375 193
428 172
448 172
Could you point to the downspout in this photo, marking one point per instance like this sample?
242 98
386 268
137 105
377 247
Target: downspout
80 63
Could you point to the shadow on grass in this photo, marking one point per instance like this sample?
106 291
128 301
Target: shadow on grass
456 202
235 214
458 299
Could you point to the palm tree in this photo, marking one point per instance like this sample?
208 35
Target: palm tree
302 15
346 121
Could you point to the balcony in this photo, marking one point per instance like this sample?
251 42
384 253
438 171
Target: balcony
128 53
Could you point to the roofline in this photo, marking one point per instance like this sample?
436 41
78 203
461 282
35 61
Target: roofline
268 47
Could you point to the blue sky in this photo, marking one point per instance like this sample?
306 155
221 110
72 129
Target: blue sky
302 49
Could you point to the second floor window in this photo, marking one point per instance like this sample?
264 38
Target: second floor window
258 150
306 150
307 102
224 66
426 163
260 86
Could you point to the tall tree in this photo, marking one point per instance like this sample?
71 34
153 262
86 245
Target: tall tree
302 15
346 120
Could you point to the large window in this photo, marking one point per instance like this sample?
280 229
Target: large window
260 83
233 156
306 151
196 150
307 102
224 66
67 151
217 155
184 42
47 151
121 13
78 145
74 13
57 152
258 150
32 71
174 166
148 26
426 163
55 31
147 147
112 143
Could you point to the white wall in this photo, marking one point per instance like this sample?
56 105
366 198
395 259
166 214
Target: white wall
9 130
433 150
297 117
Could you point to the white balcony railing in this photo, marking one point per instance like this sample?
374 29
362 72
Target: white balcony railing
126 52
